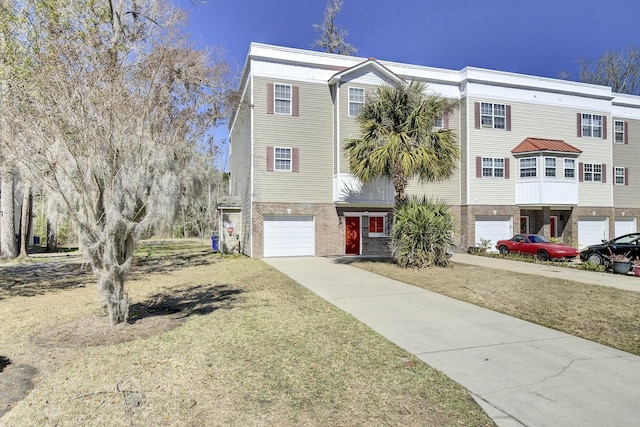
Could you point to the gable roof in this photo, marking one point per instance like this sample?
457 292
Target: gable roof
530 145
371 62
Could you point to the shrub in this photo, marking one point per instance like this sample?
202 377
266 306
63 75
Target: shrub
591 266
422 233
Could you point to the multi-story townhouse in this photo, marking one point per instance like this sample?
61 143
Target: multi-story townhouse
538 155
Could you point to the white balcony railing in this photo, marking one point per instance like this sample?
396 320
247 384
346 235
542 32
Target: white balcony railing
546 192
349 189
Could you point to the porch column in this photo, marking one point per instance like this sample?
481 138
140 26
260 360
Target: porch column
546 221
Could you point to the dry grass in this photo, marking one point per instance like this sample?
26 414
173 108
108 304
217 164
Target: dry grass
601 314
235 343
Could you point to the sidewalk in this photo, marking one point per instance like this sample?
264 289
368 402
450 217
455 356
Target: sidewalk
520 373
629 282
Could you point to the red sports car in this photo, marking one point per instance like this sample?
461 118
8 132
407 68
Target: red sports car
536 245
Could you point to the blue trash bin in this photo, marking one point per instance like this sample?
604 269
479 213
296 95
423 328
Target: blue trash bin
214 242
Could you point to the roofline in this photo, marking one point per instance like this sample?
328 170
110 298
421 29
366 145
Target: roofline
566 153
406 72
369 62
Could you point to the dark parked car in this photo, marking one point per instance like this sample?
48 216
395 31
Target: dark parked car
597 254
536 245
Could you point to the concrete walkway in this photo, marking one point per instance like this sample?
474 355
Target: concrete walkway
520 373
557 271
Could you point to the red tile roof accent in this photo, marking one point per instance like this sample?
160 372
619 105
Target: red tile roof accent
540 144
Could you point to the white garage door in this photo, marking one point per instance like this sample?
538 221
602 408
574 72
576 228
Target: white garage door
493 228
625 226
592 230
287 235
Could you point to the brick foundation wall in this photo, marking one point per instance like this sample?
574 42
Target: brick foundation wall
329 233
330 230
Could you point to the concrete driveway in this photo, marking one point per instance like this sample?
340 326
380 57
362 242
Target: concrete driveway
519 372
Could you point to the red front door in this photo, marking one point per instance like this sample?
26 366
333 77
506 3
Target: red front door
352 235
552 227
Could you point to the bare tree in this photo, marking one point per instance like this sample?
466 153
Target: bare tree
619 70
7 222
7 207
199 201
110 118
26 218
332 38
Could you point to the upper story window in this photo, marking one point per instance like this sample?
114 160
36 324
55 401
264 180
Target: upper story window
356 100
592 172
376 226
569 168
550 166
618 126
282 98
528 167
282 159
439 122
619 176
493 115
592 125
492 167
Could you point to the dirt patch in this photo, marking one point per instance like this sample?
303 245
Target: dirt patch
16 381
96 330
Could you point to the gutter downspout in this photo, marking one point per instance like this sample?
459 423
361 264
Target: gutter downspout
251 157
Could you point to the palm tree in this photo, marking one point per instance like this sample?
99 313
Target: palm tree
399 139
421 235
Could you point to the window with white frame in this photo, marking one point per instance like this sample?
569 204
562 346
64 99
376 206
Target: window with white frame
592 125
619 176
528 167
493 115
569 168
282 98
356 100
282 159
592 172
439 122
376 226
492 167
550 166
618 126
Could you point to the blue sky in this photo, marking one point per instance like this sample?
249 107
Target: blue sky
536 37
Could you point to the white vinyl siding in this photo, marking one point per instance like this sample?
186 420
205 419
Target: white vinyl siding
310 133
627 156
559 122
240 164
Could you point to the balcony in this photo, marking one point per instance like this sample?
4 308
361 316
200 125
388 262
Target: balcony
349 189
546 192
